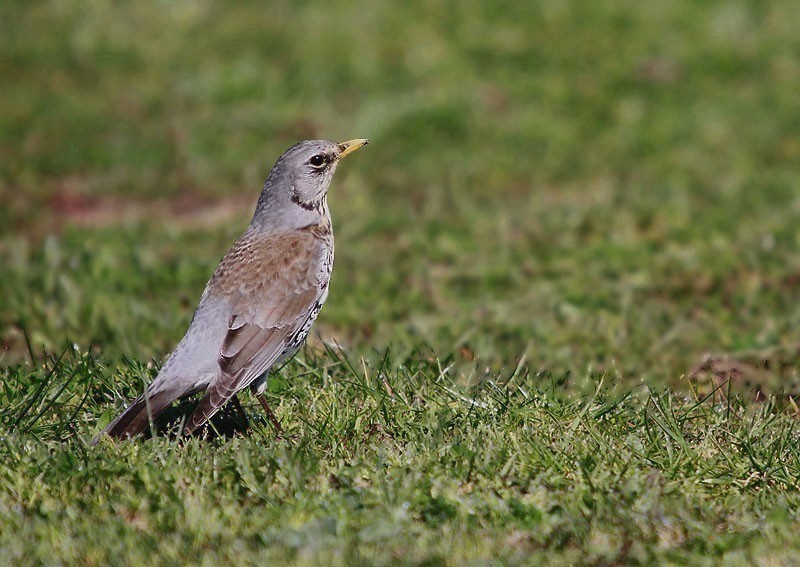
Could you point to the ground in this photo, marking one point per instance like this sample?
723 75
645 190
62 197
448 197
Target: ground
563 322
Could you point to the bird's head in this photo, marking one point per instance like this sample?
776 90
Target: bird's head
302 175
308 167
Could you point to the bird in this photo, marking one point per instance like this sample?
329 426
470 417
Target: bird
258 306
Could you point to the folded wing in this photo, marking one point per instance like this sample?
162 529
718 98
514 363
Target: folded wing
268 310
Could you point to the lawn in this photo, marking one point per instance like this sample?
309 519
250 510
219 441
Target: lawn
563 323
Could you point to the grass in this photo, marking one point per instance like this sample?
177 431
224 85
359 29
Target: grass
565 290
394 461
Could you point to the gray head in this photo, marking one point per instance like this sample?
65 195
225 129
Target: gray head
295 191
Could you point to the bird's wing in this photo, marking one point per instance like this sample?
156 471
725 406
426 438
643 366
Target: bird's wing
269 308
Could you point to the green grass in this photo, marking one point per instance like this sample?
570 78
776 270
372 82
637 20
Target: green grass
575 221
393 461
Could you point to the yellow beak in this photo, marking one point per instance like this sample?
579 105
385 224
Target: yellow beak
347 148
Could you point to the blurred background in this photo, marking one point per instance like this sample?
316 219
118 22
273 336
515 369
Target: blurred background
586 188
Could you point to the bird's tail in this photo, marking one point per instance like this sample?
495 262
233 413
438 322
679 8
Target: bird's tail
139 414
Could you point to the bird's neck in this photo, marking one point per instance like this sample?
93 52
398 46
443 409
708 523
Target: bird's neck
272 216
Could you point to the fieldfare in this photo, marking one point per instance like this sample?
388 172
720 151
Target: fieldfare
265 294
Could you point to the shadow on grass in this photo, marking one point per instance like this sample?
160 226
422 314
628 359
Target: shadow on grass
228 422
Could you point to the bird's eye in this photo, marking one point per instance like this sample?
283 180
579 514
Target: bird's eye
318 160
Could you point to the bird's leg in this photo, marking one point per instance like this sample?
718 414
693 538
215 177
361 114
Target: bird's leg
275 423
